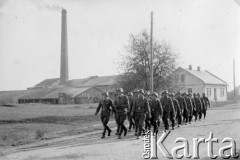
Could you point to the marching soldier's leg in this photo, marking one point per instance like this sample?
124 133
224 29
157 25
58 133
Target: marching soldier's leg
172 119
104 126
200 115
106 122
204 113
141 121
118 124
136 119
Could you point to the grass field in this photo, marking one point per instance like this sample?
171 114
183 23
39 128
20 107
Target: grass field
27 123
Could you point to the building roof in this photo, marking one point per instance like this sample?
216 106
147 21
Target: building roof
72 92
94 81
47 82
85 82
206 77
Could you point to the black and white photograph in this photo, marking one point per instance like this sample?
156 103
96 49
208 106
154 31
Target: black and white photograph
119 79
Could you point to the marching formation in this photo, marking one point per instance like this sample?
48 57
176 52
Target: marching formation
144 110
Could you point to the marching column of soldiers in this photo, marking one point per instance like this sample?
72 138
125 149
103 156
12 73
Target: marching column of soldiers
144 110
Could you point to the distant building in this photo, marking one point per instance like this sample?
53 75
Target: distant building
86 90
197 81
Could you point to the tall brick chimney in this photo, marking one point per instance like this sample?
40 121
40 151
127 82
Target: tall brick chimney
64 50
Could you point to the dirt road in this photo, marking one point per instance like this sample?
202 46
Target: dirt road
222 122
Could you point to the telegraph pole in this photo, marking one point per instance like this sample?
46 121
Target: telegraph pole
151 55
234 87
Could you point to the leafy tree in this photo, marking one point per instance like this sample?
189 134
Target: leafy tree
136 64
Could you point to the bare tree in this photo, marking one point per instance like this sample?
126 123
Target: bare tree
136 63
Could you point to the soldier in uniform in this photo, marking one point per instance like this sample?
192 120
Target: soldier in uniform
203 106
177 109
107 106
147 120
130 118
115 102
190 107
172 113
121 106
140 111
156 111
167 105
207 103
198 104
185 112
182 104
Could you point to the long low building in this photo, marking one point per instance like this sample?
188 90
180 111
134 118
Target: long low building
87 90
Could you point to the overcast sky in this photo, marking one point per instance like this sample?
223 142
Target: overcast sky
205 33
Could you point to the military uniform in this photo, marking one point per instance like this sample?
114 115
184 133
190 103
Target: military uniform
203 109
167 106
130 118
190 108
121 105
156 111
177 110
106 105
140 110
147 119
206 102
198 107
185 112
183 106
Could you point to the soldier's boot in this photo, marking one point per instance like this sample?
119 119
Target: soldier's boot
104 131
124 130
119 137
117 133
109 131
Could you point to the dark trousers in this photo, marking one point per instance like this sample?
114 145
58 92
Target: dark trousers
120 118
154 121
204 113
147 123
165 119
105 119
179 118
139 121
190 115
200 114
185 115
196 113
172 118
131 122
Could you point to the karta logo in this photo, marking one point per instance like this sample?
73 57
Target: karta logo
151 145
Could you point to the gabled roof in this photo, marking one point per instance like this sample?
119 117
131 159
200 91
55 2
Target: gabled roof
47 82
45 93
94 81
73 92
206 77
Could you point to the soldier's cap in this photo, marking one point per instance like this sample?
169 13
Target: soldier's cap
179 92
147 93
194 94
141 91
105 93
165 92
203 93
130 94
119 89
155 94
171 94
135 91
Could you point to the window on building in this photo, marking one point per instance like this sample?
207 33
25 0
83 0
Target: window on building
221 92
182 77
209 94
189 90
